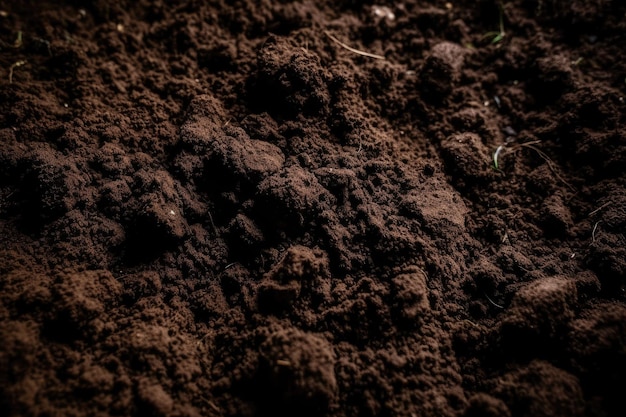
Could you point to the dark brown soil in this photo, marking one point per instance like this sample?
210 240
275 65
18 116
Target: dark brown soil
218 209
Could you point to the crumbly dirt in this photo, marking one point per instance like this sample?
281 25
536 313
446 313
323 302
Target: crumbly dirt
216 208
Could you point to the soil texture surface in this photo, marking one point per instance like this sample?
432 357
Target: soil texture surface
317 208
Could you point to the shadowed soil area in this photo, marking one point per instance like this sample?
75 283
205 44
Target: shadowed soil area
318 208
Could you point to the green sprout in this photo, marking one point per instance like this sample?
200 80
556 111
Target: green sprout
496 37
496 165
12 67
18 41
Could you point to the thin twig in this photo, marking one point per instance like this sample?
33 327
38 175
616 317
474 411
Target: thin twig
600 208
471 323
211 404
549 162
542 154
356 51
212 223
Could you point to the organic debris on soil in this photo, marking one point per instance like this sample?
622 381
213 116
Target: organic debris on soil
255 208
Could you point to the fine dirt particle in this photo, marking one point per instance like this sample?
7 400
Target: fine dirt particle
467 157
299 268
290 80
411 294
298 369
539 313
487 406
541 390
597 345
154 398
441 70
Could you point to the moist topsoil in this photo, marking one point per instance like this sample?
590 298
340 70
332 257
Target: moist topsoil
317 208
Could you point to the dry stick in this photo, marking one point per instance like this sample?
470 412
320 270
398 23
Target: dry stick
471 323
214 407
212 223
600 208
356 51
211 404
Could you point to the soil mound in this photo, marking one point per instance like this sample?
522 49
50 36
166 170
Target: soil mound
242 208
